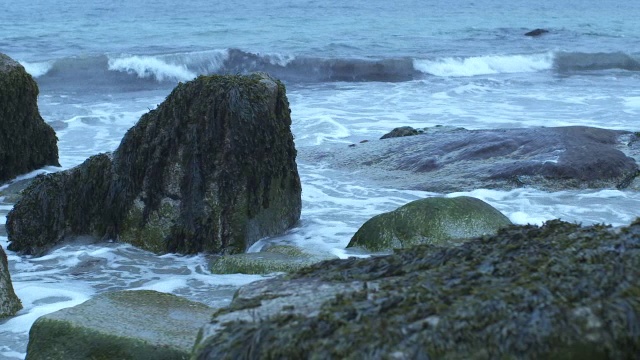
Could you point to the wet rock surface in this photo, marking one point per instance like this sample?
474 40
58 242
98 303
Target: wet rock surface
559 291
120 325
435 221
9 302
26 142
212 169
556 158
276 258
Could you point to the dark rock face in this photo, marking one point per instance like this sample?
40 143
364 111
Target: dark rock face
553 292
400 132
9 302
211 169
435 221
26 141
536 32
462 160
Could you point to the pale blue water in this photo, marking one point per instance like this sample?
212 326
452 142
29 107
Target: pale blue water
353 71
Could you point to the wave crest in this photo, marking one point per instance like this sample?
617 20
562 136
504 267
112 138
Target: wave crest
485 65
151 67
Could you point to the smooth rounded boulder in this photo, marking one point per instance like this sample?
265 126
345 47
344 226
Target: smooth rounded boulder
27 143
434 221
212 169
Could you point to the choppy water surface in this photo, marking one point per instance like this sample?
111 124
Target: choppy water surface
353 71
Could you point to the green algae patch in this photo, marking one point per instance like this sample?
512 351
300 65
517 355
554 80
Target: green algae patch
120 325
435 221
559 291
279 258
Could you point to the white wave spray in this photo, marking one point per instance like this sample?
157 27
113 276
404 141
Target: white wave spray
37 69
485 65
151 67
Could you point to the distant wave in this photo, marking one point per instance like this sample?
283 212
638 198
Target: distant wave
575 61
151 67
485 65
143 71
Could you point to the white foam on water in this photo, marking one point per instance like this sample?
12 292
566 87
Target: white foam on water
151 67
37 69
43 298
587 207
485 65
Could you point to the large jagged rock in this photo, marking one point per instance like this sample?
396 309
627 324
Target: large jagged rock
9 302
445 159
120 325
211 169
553 292
26 141
434 220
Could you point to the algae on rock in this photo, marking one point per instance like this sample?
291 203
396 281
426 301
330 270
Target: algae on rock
433 220
120 325
211 169
26 141
553 292
277 258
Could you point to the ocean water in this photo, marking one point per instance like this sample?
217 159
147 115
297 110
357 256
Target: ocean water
353 70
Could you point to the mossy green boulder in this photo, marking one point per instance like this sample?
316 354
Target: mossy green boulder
434 220
26 142
212 169
9 302
123 325
559 291
278 258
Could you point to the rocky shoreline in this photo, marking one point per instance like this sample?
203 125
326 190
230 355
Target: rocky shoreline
214 169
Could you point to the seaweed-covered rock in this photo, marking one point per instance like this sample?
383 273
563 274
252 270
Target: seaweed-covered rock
278 258
211 169
26 141
9 302
120 325
558 291
434 220
445 159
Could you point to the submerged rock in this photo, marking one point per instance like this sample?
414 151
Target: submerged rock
120 325
463 160
553 292
211 169
26 142
278 258
536 32
436 221
9 302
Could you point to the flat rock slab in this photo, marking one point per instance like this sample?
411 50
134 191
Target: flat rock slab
551 159
120 325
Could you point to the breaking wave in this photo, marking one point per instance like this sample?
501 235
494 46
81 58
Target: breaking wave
485 65
138 71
